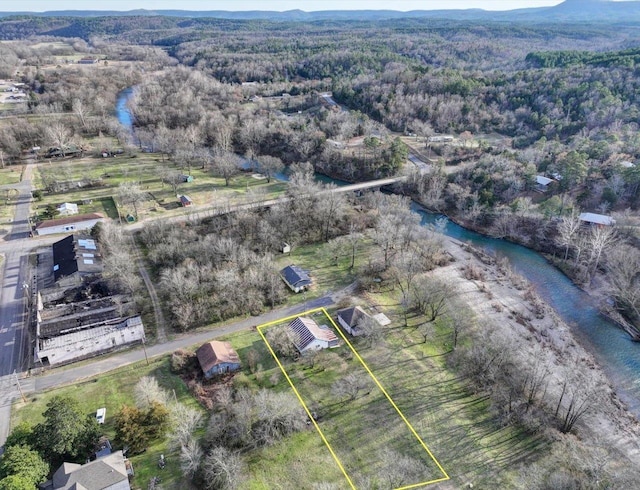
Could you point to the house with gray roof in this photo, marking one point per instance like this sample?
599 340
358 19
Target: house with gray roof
296 278
107 473
350 318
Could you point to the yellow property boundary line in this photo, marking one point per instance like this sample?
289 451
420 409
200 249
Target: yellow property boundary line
364 364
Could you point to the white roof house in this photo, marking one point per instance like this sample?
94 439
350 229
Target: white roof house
627 164
308 335
597 219
67 209
69 224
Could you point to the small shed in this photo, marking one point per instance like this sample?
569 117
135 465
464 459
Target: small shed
308 335
185 201
67 209
217 357
543 183
296 278
350 318
597 219
186 178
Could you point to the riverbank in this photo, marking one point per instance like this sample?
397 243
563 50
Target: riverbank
505 303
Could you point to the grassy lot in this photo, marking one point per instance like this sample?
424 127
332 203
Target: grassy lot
326 275
147 169
112 390
10 175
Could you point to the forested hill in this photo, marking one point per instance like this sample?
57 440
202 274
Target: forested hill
555 59
568 11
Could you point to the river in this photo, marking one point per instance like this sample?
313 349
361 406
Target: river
618 355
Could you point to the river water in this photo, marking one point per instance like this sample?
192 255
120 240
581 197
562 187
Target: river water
618 355
612 346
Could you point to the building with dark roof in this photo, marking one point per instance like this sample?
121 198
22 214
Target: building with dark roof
296 278
350 319
217 357
308 335
75 257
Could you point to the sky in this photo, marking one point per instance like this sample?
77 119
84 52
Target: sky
308 5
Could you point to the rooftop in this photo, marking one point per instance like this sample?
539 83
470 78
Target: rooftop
69 220
216 352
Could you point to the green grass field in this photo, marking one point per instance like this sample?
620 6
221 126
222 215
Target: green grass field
10 175
363 427
147 169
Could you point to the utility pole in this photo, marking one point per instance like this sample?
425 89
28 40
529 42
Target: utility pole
24 398
144 348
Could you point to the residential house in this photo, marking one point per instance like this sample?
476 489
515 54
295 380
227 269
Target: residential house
67 209
69 224
627 164
185 201
597 219
109 472
308 335
350 318
87 60
217 357
296 278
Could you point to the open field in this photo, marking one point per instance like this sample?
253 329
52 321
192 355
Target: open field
10 175
146 169
359 446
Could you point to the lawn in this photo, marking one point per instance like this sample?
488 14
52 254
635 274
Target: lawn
326 274
112 390
10 175
147 169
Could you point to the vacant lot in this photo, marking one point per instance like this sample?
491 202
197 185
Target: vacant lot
361 424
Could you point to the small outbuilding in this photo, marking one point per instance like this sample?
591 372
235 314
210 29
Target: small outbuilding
296 278
186 178
217 357
67 209
308 335
597 219
543 183
350 318
185 201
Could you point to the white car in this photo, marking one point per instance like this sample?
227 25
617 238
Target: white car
101 414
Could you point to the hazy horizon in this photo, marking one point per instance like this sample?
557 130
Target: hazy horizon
277 5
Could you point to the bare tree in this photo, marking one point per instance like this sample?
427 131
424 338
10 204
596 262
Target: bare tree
430 297
568 229
222 469
281 341
269 166
184 421
225 165
130 193
600 239
190 457
350 386
148 391
623 272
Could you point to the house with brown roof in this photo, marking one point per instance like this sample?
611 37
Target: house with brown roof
217 357
308 335
69 224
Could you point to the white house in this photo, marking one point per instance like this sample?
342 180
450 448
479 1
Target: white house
69 224
308 335
542 183
350 318
67 209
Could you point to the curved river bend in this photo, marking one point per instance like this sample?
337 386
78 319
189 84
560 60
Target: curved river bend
618 355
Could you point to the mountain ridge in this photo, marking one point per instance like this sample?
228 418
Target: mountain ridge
593 11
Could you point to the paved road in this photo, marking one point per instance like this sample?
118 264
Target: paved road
14 278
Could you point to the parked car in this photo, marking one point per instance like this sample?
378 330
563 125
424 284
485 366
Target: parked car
101 414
